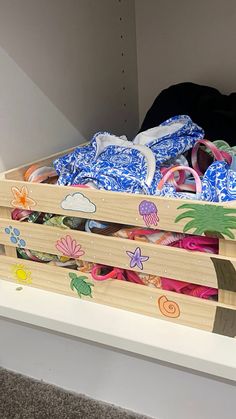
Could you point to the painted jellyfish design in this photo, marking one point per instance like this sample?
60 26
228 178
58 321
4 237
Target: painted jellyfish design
148 211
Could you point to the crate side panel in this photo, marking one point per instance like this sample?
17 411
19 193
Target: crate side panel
227 248
194 267
178 308
193 217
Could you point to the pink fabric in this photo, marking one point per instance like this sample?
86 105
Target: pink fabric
218 154
174 169
198 243
193 243
115 273
139 232
181 176
188 289
20 215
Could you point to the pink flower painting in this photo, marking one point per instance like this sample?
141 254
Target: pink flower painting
69 247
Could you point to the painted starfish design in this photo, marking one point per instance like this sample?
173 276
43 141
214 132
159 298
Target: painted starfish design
137 258
21 198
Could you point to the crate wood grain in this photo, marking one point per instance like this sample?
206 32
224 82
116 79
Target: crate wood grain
189 311
227 248
6 213
131 209
195 267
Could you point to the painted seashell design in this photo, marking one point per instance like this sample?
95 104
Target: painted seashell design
168 308
69 247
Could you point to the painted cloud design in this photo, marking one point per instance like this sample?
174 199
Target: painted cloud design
78 202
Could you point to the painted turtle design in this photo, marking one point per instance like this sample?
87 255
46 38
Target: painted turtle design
79 284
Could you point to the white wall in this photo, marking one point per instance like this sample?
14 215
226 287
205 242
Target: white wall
184 40
30 125
67 70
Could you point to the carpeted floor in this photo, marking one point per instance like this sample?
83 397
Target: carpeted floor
24 398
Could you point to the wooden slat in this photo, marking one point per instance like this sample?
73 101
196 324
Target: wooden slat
183 309
112 206
17 174
6 213
193 312
193 267
227 248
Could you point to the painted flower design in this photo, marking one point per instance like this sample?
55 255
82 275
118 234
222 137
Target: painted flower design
136 258
69 247
21 198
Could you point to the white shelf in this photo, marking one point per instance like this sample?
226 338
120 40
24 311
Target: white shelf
157 339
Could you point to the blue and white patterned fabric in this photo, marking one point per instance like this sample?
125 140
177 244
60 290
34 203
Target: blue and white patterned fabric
170 192
171 138
126 168
110 163
70 165
113 163
178 161
219 183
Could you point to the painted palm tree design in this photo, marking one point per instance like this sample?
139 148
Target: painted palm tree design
79 284
210 220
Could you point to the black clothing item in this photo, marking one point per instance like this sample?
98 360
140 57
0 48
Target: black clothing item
206 106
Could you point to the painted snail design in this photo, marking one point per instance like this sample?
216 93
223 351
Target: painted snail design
168 308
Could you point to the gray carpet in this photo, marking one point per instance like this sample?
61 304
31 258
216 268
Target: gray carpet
24 398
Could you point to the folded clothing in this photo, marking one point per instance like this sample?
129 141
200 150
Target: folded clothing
71 164
171 138
142 165
113 163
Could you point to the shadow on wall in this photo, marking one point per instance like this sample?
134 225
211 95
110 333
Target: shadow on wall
72 72
82 56
31 127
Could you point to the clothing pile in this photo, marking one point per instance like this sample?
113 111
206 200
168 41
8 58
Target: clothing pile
162 161
156 162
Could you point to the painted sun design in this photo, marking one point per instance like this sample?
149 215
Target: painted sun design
21 274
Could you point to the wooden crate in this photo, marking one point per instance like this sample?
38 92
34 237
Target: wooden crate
167 214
